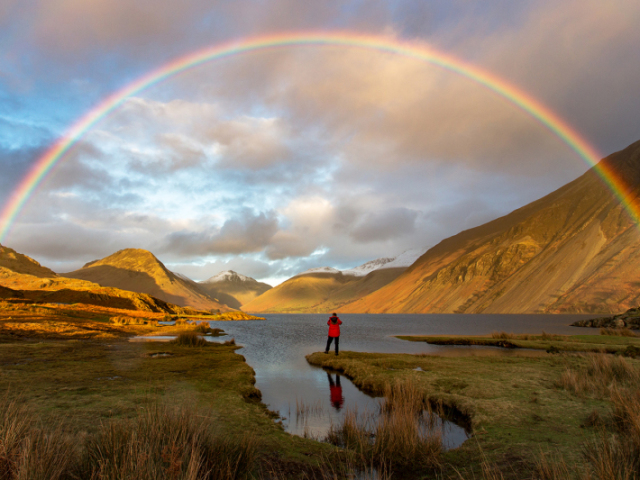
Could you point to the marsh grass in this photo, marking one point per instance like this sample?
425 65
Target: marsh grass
305 410
161 443
618 332
29 452
190 339
169 443
403 435
599 375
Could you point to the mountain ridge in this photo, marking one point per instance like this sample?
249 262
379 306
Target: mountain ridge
138 270
571 251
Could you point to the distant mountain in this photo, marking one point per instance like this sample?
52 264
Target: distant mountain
574 250
233 289
140 271
326 288
19 263
24 278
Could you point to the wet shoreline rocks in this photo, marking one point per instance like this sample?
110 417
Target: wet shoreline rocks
628 319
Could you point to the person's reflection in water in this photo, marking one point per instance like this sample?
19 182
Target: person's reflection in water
337 400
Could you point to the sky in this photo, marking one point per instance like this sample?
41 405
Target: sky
273 162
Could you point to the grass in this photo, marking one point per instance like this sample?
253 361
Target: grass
90 322
517 406
619 332
190 339
94 392
615 342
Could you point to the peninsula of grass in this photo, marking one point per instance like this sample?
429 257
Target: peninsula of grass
521 409
610 342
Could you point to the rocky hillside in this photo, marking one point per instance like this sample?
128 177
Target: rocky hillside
140 271
18 263
574 250
42 285
233 289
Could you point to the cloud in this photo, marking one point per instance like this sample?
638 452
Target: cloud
248 233
386 225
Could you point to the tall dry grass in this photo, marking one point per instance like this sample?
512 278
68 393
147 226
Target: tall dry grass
27 451
618 332
403 435
160 444
168 444
600 374
190 339
503 335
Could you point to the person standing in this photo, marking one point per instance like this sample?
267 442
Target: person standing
334 332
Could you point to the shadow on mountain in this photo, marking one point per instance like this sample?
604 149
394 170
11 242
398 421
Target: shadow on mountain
227 299
124 279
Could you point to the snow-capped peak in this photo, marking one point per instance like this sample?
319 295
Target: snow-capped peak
404 260
229 276
320 270
368 267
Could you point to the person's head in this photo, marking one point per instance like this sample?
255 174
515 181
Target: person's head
334 314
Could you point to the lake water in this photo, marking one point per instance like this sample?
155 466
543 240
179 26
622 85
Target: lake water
309 399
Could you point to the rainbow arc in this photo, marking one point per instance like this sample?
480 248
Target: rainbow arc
556 125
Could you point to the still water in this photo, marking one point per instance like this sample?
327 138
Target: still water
309 399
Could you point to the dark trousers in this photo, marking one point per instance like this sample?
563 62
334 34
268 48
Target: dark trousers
329 340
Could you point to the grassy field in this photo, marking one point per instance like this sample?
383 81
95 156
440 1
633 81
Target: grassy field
528 412
112 408
613 342
80 401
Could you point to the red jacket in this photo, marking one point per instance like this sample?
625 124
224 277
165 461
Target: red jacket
334 328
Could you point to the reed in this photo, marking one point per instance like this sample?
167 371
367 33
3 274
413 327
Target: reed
600 374
168 444
190 339
402 437
305 410
27 451
503 335
618 332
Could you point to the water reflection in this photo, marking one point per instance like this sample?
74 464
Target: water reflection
276 350
337 399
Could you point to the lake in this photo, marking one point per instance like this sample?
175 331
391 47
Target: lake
309 398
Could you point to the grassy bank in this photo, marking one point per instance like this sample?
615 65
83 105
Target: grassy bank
79 400
611 342
523 410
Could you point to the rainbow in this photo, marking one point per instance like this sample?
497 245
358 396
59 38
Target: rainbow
45 164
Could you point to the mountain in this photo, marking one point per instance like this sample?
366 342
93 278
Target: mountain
19 263
233 289
22 278
140 271
575 250
326 289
